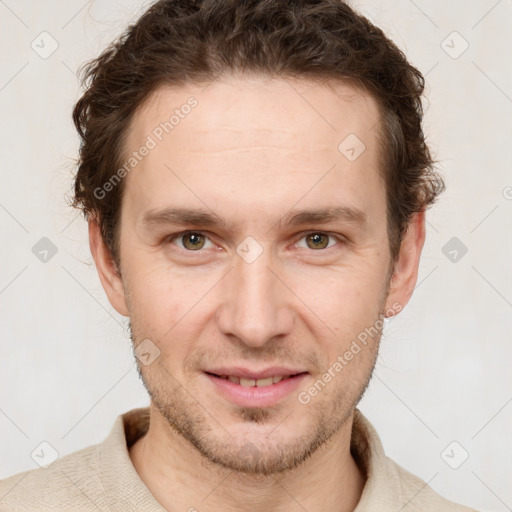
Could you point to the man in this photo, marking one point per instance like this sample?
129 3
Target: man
255 179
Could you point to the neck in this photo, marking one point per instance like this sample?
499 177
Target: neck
180 478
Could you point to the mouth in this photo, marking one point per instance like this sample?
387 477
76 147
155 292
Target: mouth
260 383
255 389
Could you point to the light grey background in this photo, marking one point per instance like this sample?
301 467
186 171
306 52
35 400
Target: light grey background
443 375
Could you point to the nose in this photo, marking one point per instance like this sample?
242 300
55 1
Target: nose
257 307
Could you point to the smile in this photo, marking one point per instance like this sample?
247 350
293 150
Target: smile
255 390
260 383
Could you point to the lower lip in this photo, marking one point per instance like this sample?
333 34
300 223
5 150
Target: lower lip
255 396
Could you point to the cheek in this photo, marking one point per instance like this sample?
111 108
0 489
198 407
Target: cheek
168 306
154 296
343 299
347 325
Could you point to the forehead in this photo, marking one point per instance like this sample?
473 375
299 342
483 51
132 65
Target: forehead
262 106
260 138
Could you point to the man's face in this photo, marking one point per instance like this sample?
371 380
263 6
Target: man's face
256 294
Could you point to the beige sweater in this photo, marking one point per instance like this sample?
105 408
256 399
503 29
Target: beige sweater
103 478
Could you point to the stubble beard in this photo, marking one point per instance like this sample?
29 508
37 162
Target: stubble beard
191 419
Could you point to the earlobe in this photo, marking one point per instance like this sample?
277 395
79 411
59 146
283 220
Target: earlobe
107 270
405 272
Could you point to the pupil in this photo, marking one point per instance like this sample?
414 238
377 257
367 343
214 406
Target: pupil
193 240
317 239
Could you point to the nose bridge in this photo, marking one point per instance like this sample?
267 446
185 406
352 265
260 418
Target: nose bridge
255 310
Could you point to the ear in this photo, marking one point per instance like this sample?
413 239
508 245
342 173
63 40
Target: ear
107 270
405 272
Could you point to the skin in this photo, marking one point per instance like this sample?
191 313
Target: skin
252 150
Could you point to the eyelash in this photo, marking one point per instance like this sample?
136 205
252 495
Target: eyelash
172 238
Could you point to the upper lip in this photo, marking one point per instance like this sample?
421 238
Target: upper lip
245 373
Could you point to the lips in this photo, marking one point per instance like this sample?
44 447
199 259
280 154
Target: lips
260 383
251 388
252 378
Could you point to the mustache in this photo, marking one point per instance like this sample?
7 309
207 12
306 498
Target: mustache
277 353
251 356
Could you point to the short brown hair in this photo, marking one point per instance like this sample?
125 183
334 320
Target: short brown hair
196 41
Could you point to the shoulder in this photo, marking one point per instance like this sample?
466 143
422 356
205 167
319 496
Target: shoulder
71 481
98 477
417 495
389 487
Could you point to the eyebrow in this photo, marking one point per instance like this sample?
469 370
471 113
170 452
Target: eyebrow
189 216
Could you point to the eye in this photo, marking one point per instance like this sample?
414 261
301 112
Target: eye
191 240
194 241
318 240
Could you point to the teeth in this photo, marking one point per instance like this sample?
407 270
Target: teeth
264 382
247 383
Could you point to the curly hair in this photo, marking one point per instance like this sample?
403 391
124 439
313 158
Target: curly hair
195 41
